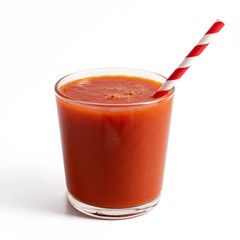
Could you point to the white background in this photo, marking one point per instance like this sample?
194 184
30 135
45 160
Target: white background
40 41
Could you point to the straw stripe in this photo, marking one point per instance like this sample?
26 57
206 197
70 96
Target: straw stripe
177 73
197 50
186 63
216 27
206 39
168 85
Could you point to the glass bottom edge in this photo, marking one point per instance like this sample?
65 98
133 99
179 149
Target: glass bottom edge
112 213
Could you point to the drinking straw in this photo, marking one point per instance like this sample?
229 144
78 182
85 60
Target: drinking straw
186 63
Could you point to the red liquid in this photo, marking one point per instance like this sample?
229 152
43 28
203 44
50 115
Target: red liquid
114 156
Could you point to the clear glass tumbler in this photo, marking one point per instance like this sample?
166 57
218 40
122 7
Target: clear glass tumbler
114 154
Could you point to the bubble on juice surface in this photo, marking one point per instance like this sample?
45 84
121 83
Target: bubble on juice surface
125 92
116 97
112 97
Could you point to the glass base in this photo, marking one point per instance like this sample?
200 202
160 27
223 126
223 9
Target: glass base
112 213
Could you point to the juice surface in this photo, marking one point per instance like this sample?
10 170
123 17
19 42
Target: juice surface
114 157
111 89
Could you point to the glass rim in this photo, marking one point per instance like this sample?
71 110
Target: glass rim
118 70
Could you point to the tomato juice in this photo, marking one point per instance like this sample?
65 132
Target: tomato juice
114 138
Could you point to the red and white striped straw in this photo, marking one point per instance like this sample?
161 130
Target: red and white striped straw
186 63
